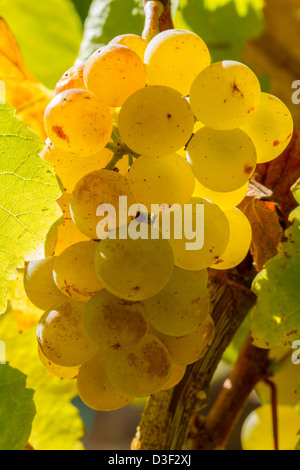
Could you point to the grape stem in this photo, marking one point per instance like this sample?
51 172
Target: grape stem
273 389
157 17
119 150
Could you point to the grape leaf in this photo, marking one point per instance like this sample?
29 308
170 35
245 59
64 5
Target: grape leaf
17 409
28 192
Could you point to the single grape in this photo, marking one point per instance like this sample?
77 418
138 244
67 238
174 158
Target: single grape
141 370
179 308
161 180
239 241
257 431
39 284
271 128
76 121
73 78
225 95
61 372
74 271
134 269
95 389
113 73
115 323
226 201
156 121
134 42
177 375
95 188
174 58
187 349
62 337
203 276
222 160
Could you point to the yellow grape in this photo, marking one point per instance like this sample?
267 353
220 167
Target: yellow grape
76 121
161 180
239 241
134 42
93 189
226 201
115 323
39 284
74 272
187 349
62 337
177 374
95 389
225 95
73 78
222 160
271 128
179 308
203 275
113 73
156 121
174 58
146 265
257 431
141 370
61 372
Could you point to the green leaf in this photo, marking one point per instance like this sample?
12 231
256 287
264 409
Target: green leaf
107 19
29 189
296 191
82 7
49 34
17 409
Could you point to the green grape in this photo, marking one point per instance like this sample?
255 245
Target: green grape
226 201
146 265
239 241
203 275
187 349
215 229
141 370
95 389
174 58
222 160
73 78
156 121
39 284
134 42
225 95
62 337
271 128
95 188
68 373
257 431
179 308
177 374
76 121
115 323
161 180
113 73
74 271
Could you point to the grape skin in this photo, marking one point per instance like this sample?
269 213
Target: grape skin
71 79
177 375
226 201
68 373
134 42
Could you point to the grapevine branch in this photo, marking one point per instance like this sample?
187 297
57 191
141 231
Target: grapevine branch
157 17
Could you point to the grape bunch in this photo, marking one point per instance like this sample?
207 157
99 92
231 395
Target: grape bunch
157 124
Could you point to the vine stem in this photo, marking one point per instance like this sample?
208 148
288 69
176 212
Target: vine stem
157 17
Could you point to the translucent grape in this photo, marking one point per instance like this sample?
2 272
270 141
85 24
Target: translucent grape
147 266
134 42
226 201
271 128
257 431
76 121
74 271
222 160
156 121
62 337
141 370
73 78
161 180
39 284
174 58
95 389
95 188
115 323
190 348
179 308
239 241
61 372
113 73
177 374
225 95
